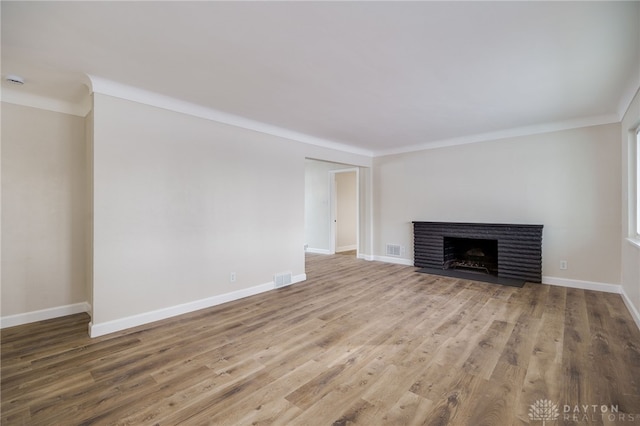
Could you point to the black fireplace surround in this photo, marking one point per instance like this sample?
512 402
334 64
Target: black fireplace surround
508 254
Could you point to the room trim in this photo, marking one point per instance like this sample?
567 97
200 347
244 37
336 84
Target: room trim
15 97
130 93
634 242
318 251
96 330
396 260
44 314
595 286
366 257
100 329
584 285
506 133
630 92
630 307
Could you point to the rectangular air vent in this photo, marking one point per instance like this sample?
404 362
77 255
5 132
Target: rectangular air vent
393 250
282 279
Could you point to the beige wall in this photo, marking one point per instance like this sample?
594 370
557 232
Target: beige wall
568 181
137 210
630 251
181 202
43 209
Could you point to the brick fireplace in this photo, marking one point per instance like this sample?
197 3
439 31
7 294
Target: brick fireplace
508 254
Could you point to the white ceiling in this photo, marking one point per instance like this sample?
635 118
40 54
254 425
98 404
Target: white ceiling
376 76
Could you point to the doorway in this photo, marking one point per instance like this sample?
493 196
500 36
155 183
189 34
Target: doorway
344 219
322 198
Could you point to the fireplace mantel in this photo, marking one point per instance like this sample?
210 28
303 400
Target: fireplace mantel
519 246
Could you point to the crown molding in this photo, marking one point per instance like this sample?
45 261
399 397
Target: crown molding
122 91
504 134
627 98
19 97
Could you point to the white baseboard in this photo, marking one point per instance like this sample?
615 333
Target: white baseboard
590 285
294 280
396 260
100 329
44 314
584 285
368 257
346 248
632 309
317 251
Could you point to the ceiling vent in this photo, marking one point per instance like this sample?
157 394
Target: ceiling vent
15 79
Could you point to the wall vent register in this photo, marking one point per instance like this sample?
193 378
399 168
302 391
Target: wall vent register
393 250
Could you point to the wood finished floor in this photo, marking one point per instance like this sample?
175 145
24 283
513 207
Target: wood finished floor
359 342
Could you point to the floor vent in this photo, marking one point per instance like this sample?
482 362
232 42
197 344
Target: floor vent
282 279
393 250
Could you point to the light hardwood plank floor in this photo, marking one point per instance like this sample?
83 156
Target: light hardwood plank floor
359 342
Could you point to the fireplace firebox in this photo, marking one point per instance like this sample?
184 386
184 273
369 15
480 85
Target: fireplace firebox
509 254
471 255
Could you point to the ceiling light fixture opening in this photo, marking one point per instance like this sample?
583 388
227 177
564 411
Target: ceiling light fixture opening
15 79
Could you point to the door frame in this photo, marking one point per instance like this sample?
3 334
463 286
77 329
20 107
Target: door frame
333 208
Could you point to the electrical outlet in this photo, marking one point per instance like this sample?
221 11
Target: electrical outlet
232 277
563 264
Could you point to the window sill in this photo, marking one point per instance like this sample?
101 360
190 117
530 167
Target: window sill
634 241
